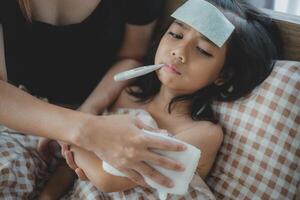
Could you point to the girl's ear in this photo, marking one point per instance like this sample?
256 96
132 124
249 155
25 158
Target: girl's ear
219 81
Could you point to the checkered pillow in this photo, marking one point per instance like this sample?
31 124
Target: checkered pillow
260 155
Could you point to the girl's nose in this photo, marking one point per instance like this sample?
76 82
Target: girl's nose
179 54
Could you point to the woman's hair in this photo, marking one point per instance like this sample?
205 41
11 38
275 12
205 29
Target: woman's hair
252 49
25 8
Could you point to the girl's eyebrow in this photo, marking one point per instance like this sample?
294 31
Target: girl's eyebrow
182 25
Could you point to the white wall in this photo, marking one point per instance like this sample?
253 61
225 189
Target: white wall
287 6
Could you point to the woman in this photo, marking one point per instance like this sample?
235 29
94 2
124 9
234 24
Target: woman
61 50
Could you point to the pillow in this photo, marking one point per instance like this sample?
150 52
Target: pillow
260 155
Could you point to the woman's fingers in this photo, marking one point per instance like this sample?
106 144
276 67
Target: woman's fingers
135 177
153 174
141 125
158 143
164 144
163 161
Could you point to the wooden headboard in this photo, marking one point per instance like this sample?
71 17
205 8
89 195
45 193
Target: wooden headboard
289 26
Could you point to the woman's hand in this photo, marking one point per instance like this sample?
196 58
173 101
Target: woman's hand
68 155
118 140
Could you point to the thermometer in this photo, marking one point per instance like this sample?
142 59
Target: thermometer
140 71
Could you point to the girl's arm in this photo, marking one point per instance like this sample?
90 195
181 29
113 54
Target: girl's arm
92 166
133 50
208 138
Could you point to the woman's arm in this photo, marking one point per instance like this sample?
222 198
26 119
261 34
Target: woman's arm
27 114
134 48
3 74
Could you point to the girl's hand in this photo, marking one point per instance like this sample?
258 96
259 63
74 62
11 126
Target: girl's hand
46 148
68 155
118 140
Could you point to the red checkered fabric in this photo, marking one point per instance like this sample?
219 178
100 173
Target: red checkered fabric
22 171
85 190
260 155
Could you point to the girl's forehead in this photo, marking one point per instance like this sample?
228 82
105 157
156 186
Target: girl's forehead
206 19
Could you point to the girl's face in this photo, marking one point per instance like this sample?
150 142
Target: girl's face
192 61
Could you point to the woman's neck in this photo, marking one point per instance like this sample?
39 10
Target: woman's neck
62 12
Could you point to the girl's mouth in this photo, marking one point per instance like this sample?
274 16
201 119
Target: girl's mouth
171 68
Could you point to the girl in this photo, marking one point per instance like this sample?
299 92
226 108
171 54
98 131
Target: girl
178 96
61 49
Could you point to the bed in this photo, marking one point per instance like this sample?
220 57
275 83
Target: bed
260 154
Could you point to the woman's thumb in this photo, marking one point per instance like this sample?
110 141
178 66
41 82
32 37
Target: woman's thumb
141 125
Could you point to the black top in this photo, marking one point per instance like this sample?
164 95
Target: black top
65 63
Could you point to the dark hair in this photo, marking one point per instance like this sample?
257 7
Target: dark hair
252 49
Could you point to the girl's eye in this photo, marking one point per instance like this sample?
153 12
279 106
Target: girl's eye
176 36
201 51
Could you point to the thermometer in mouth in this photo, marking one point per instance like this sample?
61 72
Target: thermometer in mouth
136 72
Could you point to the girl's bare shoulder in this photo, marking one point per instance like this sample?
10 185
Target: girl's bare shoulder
203 133
210 130
125 100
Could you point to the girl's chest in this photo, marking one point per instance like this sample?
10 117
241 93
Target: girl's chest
173 123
